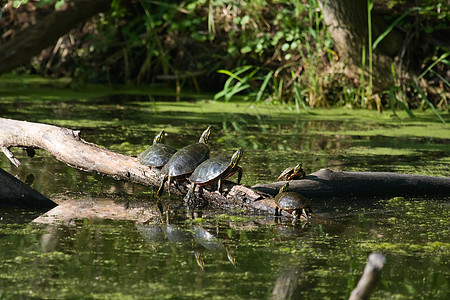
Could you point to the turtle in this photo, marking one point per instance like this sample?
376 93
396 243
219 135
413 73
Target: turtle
158 154
292 202
185 160
215 170
292 173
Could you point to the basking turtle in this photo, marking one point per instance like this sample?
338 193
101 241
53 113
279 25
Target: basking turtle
158 154
292 173
215 170
185 160
292 202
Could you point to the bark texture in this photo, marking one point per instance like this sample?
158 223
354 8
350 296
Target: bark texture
347 24
34 39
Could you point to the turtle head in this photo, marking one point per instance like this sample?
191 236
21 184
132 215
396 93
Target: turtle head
284 188
236 157
298 168
205 135
158 138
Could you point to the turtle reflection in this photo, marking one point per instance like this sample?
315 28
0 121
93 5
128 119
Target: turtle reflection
194 239
287 230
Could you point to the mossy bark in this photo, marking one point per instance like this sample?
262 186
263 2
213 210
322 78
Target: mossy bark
347 23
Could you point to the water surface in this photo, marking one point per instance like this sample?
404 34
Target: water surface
244 257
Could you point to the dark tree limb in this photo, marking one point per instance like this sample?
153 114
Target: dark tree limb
326 183
14 192
67 146
34 39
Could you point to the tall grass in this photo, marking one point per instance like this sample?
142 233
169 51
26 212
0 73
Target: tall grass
396 92
297 76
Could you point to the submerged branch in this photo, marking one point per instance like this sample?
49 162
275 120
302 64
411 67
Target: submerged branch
369 278
67 146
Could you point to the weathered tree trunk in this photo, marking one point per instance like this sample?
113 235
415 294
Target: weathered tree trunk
34 39
348 26
321 186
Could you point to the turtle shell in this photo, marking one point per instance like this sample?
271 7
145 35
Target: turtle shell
185 160
290 201
289 174
209 170
157 155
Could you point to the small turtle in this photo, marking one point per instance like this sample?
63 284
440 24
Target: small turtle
185 160
292 202
292 173
158 154
215 169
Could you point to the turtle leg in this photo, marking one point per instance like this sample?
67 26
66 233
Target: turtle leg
305 214
161 186
219 186
239 170
168 186
159 194
189 195
294 217
276 211
199 259
160 207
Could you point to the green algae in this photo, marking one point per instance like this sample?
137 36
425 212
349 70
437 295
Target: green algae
111 260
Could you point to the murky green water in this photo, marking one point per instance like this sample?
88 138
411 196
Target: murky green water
223 256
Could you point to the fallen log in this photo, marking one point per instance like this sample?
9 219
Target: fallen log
326 183
67 146
14 192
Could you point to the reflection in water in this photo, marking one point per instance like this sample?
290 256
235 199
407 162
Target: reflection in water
50 240
152 234
194 239
106 259
286 286
287 230
211 242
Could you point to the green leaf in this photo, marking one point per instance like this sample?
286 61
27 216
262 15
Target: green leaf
392 100
429 102
433 64
391 27
246 49
264 85
299 98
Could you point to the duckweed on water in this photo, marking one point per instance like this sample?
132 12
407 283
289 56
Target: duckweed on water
114 260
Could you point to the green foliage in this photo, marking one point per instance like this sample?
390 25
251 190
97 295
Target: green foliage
293 42
259 50
56 3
